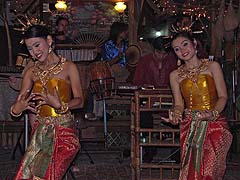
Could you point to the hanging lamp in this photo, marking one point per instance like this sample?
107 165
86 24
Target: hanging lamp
61 5
120 7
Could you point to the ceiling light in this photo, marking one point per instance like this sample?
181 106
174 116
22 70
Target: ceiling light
120 7
61 5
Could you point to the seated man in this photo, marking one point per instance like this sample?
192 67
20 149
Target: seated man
153 69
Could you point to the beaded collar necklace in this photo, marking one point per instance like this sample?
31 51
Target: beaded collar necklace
192 74
44 75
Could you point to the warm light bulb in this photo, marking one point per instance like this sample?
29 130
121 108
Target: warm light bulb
120 7
61 5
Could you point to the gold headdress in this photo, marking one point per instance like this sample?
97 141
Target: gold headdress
26 21
181 28
185 25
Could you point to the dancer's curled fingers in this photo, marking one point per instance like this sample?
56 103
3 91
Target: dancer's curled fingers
49 99
23 102
170 117
175 116
204 115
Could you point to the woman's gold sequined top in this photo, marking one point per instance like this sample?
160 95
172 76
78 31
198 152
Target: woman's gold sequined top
64 91
199 95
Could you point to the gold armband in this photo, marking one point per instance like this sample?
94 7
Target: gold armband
13 114
63 109
215 115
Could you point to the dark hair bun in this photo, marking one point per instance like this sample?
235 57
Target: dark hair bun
36 31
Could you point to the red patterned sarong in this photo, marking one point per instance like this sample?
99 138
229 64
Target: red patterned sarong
52 148
204 148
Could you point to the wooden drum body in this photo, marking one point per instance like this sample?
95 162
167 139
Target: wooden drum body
102 84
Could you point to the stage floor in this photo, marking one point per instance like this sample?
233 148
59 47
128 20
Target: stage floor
107 166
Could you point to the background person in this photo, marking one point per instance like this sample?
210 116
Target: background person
114 48
61 37
56 90
153 69
200 95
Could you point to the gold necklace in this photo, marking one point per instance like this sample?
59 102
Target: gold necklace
44 75
192 74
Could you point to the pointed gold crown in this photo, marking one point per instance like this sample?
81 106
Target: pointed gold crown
181 27
185 26
27 21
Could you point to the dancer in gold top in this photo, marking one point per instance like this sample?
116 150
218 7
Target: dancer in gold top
200 96
55 89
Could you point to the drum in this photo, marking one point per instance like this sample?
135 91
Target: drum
22 60
133 54
102 84
100 70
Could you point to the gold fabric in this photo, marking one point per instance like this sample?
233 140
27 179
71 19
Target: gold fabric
203 92
63 89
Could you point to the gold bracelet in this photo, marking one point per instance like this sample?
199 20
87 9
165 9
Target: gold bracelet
177 113
215 114
13 114
63 109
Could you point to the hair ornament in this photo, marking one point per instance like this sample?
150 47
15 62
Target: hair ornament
186 25
178 28
27 21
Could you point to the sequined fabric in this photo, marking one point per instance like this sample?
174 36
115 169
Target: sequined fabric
63 89
204 144
203 92
54 142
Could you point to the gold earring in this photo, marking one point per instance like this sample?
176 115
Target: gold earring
179 62
49 50
33 59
